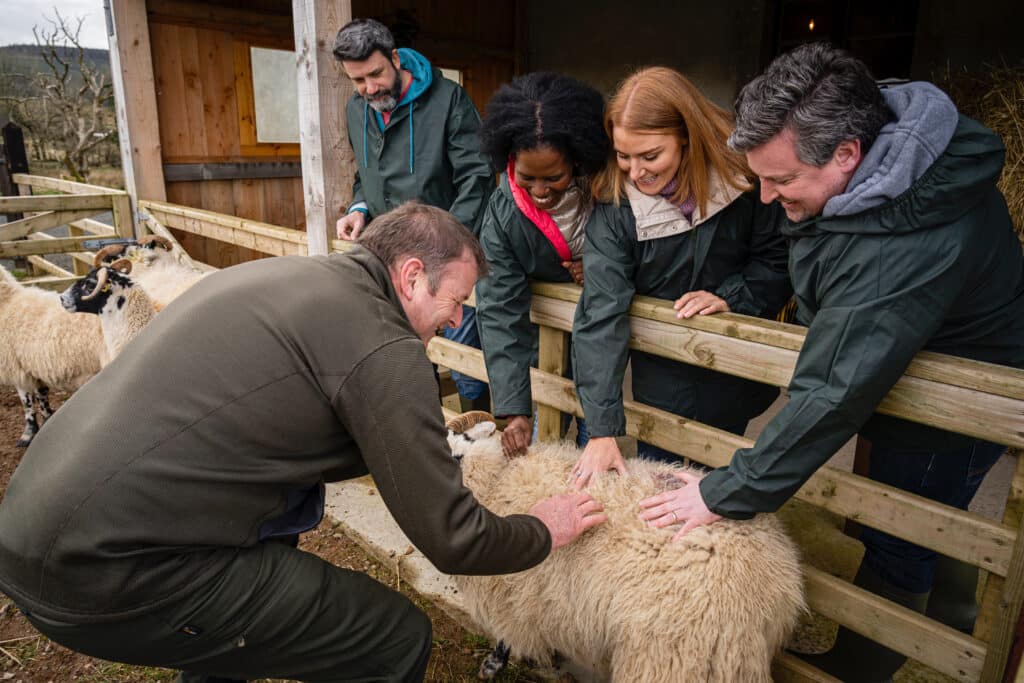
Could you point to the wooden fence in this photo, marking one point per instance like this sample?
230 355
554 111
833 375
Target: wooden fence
965 396
75 206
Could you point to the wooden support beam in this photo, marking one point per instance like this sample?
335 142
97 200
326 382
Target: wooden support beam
157 228
328 168
57 245
93 227
131 66
51 283
56 202
940 647
264 237
962 535
43 221
553 357
962 372
39 263
61 185
965 410
990 606
124 219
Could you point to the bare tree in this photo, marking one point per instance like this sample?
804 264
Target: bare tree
67 105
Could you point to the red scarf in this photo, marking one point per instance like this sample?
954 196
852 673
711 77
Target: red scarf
542 219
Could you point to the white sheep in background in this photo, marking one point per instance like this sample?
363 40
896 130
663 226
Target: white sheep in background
44 347
157 268
624 600
123 306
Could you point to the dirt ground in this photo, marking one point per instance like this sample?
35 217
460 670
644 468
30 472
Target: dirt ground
27 657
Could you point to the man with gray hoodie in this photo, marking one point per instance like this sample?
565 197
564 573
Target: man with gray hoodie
415 135
899 242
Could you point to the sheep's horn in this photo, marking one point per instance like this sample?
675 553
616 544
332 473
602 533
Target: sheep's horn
106 252
162 241
101 280
461 423
122 265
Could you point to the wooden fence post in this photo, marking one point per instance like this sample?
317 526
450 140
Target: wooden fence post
553 356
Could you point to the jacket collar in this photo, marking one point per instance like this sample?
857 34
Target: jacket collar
657 217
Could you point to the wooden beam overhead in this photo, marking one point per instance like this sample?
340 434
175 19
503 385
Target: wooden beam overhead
328 167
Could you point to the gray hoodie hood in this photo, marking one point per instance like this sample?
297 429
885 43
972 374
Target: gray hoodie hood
905 148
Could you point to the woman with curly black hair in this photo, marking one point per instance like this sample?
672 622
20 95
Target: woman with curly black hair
545 131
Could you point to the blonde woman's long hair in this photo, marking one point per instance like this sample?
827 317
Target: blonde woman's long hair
662 101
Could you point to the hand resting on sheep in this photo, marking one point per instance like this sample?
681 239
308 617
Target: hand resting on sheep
625 600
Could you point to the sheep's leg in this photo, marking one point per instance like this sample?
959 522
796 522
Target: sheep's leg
494 662
31 426
45 412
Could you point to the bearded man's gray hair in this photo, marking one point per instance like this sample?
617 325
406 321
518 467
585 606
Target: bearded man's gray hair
360 38
822 94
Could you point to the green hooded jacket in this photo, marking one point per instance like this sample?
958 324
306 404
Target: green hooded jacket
517 252
737 253
429 150
937 267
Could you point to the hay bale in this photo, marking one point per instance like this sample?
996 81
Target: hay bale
995 97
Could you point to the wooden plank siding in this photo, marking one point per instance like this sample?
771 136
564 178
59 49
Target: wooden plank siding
194 61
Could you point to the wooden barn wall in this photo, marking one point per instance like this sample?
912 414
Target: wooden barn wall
194 69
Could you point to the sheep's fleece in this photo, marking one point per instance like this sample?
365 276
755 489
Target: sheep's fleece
624 600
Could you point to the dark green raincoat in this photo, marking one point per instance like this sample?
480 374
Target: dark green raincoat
737 253
429 150
938 267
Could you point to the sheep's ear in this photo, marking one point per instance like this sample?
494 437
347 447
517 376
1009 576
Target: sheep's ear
481 430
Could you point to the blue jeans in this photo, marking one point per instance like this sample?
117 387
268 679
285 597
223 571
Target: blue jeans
467 334
948 477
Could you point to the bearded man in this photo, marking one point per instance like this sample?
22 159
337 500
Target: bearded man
415 135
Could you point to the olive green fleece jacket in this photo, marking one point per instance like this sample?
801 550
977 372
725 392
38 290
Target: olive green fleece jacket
937 267
735 252
429 150
517 252
263 381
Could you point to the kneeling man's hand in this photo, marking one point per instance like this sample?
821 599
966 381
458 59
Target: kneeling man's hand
568 515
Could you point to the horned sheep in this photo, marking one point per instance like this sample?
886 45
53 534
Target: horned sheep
44 347
624 600
157 268
123 306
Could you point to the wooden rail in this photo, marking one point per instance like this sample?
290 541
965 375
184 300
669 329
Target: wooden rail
25 238
973 398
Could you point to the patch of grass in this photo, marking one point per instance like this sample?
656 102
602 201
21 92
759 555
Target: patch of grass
115 671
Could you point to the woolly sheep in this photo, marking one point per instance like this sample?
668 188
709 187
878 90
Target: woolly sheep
624 600
44 347
157 269
123 306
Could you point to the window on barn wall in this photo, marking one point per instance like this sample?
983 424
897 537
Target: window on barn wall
452 74
879 32
273 80
266 93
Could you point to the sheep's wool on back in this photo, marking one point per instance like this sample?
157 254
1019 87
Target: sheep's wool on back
624 600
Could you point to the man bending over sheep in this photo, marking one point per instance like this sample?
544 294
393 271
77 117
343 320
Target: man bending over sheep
900 241
153 520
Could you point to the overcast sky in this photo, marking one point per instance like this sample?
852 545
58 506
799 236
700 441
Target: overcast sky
19 16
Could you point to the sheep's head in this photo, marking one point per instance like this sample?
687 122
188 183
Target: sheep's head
103 285
476 444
